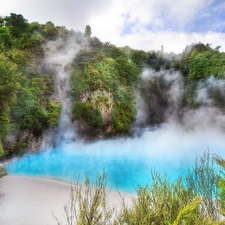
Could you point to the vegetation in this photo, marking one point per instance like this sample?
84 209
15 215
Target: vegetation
221 184
202 62
26 88
3 172
196 198
104 81
90 208
111 74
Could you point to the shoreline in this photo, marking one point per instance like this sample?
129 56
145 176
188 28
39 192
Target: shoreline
26 200
77 182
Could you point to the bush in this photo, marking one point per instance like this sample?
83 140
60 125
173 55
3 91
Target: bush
202 180
202 62
191 200
3 172
163 203
88 205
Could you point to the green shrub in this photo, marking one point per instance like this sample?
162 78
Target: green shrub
1 149
191 200
202 62
162 202
90 208
202 180
53 112
3 172
124 111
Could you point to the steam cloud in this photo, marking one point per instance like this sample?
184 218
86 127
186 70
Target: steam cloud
169 144
60 54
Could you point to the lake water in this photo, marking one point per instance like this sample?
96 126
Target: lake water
127 162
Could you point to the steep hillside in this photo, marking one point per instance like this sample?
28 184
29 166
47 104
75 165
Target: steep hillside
57 83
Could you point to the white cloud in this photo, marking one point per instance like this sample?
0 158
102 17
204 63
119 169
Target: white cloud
139 24
172 41
71 13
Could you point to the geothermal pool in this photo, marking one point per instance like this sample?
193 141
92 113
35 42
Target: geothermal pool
127 162
170 148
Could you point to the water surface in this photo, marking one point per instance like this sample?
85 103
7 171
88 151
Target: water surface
127 162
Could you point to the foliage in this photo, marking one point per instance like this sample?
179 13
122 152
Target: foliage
90 207
139 58
87 32
94 71
17 24
5 38
156 61
127 71
9 85
3 172
26 85
1 149
202 62
190 94
160 202
111 51
221 184
218 96
95 44
86 111
155 92
124 112
25 91
202 180
50 31
34 111
53 108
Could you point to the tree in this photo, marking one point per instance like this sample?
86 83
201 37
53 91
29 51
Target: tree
50 31
5 38
17 24
87 32
9 85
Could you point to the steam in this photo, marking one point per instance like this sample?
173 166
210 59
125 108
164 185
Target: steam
169 149
59 56
207 115
168 136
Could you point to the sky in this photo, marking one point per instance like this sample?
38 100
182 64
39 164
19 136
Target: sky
139 24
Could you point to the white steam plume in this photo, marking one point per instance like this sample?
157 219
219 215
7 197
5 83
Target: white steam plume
59 55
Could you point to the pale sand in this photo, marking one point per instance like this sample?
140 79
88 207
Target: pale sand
31 200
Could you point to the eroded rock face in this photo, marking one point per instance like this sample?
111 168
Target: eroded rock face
26 141
104 101
17 143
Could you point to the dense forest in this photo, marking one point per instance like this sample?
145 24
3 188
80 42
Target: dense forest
105 81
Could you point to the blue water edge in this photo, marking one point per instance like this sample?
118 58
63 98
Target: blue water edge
127 162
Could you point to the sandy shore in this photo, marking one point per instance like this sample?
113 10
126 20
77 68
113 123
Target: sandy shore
31 200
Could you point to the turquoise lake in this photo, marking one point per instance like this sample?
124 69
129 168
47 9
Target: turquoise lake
127 162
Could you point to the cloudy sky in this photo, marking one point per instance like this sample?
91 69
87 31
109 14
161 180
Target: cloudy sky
140 24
